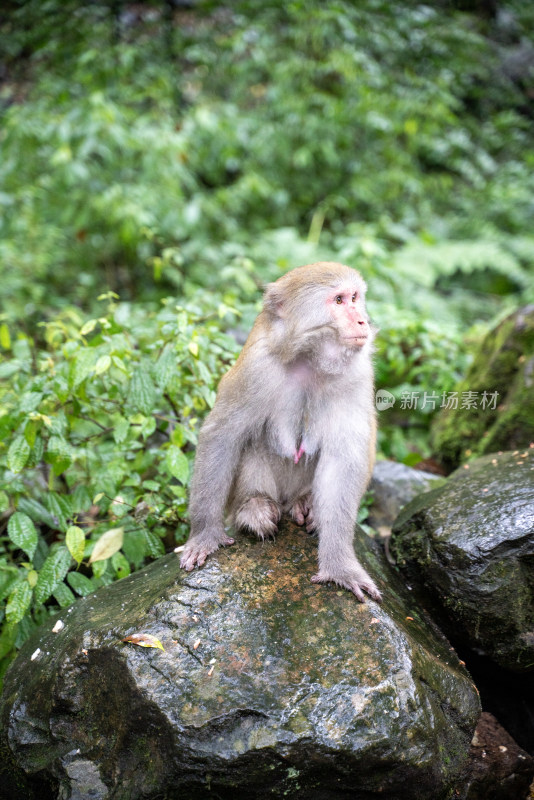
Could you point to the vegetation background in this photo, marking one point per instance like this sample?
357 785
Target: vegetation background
161 161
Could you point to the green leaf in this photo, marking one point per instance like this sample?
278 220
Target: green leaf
142 391
52 572
151 486
148 426
120 430
102 365
63 594
36 511
30 431
4 502
81 367
99 568
134 546
75 541
33 575
89 326
204 373
8 637
60 507
177 464
58 454
36 454
81 584
18 454
154 544
165 368
412 459
178 436
5 338
119 363
8 579
30 401
120 565
81 499
18 602
109 543
9 368
22 533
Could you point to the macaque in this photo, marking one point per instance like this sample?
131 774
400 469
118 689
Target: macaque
293 427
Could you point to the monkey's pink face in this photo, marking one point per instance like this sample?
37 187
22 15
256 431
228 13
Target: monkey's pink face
347 308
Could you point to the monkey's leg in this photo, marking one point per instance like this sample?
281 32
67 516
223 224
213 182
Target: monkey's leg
343 568
336 510
302 512
255 503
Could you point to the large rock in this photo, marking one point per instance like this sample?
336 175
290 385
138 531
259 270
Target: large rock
269 686
504 364
470 545
393 485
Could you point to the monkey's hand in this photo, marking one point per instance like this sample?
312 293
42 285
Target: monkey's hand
198 548
354 580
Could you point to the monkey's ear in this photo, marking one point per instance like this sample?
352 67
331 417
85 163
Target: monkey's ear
272 300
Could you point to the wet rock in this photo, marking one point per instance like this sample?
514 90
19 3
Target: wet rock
268 686
504 364
498 768
469 545
393 485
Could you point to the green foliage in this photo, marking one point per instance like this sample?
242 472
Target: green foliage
145 150
59 198
414 357
98 428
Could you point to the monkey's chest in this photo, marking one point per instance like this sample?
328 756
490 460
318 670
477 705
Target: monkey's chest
290 430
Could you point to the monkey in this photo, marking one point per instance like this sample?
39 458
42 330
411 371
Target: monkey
293 426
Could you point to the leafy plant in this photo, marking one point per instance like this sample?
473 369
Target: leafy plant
98 429
143 137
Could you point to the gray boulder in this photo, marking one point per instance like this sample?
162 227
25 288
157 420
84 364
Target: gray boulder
469 545
268 686
393 485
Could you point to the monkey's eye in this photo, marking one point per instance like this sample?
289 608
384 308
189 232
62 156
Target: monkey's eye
339 299
354 297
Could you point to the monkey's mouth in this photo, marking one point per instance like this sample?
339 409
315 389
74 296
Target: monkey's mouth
357 340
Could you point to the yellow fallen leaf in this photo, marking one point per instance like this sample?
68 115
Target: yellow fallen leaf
144 640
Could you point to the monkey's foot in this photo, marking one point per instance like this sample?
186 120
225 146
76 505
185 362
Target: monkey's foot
260 515
302 512
198 549
354 582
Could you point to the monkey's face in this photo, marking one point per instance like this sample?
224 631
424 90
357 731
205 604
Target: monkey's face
317 312
346 308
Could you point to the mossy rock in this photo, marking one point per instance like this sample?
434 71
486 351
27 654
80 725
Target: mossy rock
504 364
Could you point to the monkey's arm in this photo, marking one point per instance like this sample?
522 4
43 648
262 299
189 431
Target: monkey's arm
219 450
